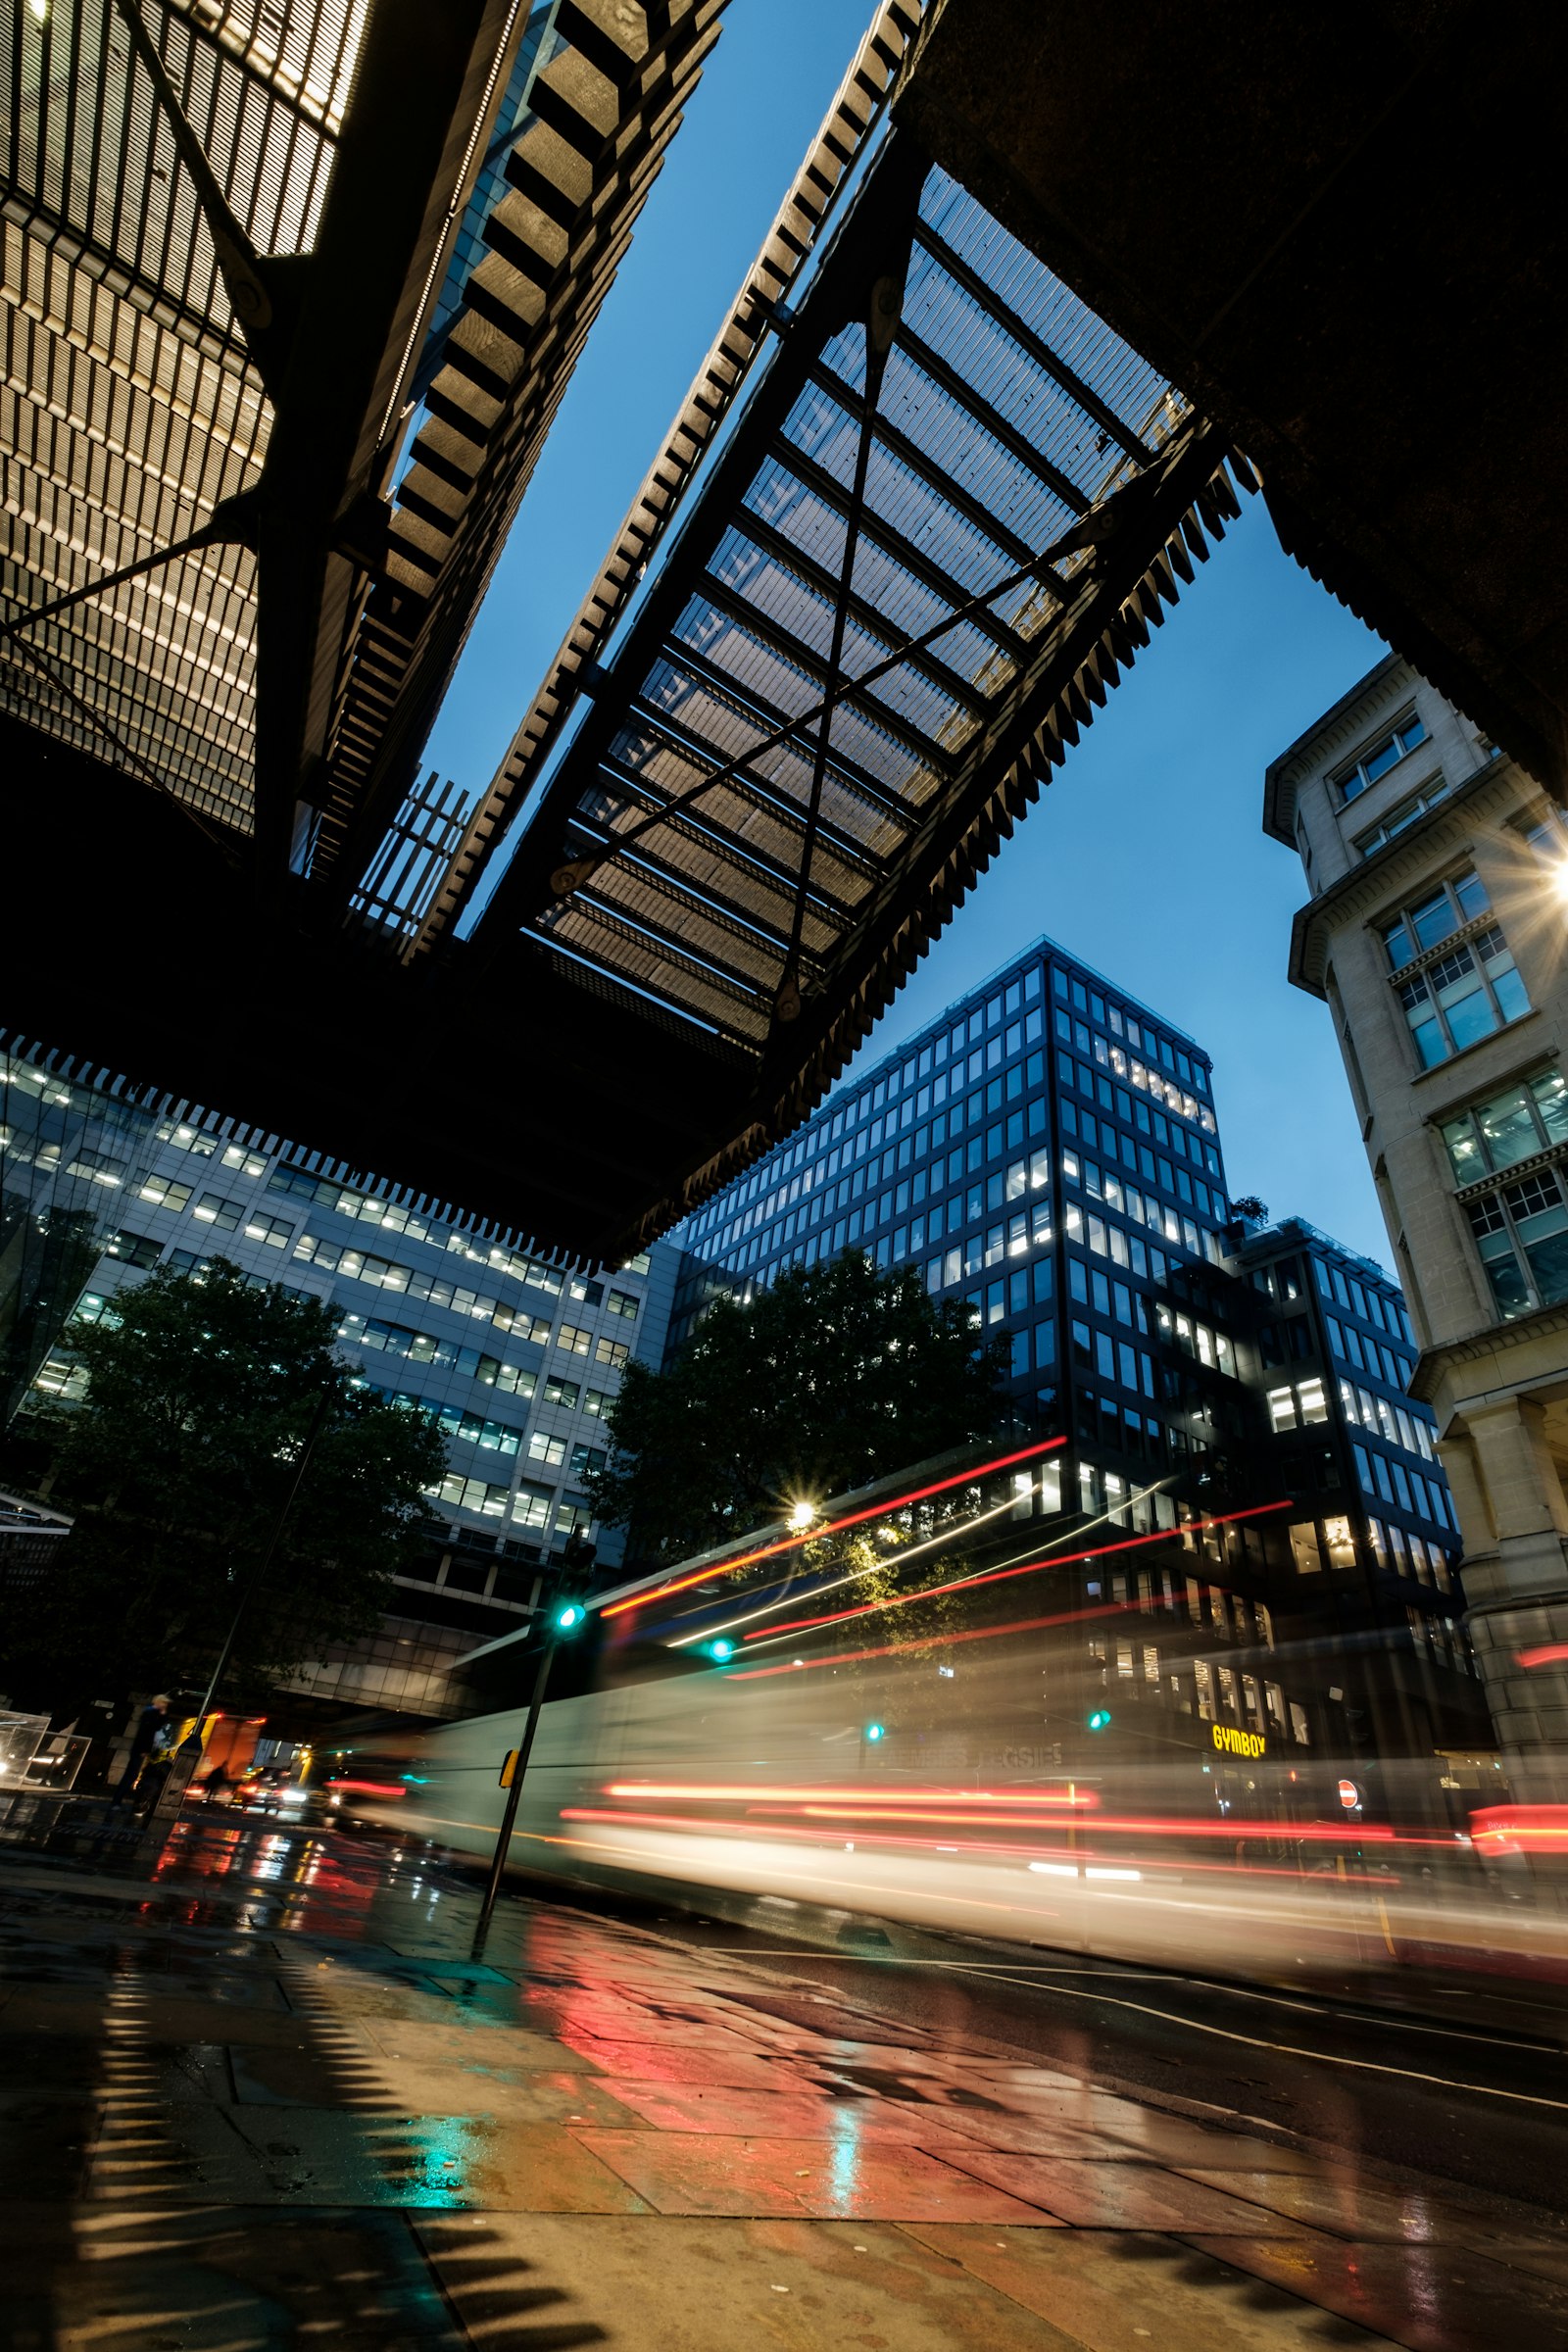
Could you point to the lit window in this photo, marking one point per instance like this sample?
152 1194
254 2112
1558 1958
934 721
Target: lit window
163 1193
1512 1126
212 1210
1304 1548
1314 1404
1282 1408
1340 1542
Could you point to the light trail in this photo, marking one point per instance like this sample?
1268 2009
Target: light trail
744 1792
895 1560
833 1527
897 1649
990 1576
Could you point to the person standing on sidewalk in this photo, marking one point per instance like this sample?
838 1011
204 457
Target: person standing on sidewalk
153 1719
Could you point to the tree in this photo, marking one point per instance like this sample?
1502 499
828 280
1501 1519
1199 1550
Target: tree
832 1376
201 1391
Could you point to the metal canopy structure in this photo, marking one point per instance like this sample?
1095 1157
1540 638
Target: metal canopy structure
226 226
928 510
946 515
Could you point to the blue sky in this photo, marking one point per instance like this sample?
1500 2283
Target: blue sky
1146 856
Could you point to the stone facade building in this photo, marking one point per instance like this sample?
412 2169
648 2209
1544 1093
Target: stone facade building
1435 933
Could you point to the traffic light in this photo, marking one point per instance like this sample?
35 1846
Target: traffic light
567 1616
720 1650
1099 1718
875 1732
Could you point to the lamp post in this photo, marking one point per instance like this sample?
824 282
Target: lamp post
564 1619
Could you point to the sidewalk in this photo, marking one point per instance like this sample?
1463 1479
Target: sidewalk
266 2098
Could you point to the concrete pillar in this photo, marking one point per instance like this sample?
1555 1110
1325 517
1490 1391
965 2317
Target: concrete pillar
1516 1519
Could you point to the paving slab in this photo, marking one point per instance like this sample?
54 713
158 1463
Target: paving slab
711 2286
232 2281
1430 2298
688 2172
1123 2291
769 2115
1105 2195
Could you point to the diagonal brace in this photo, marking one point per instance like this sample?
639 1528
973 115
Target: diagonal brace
231 523
243 269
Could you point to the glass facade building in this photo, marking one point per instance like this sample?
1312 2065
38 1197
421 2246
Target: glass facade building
1049 1153
514 1358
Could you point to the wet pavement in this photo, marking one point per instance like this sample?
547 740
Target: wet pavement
254 2093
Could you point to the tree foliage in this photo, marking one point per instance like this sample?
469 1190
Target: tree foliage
832 1376
201 1391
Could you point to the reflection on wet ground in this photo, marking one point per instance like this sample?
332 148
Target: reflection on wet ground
263 2096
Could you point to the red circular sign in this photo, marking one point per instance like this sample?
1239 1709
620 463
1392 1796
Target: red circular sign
1350 1795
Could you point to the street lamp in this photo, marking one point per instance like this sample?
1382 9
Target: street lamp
564 1619
801 1515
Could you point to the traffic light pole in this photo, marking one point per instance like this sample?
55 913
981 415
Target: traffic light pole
510 1817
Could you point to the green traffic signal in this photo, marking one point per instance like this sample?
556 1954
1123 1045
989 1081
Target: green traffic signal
1099 1718
568 1617
721 1651
875 1732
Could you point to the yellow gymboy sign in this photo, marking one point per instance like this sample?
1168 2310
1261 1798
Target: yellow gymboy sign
1231 1742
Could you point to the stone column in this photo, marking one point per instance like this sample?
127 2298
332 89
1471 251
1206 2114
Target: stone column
1514 1515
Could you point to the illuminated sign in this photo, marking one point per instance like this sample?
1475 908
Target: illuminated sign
1231 1742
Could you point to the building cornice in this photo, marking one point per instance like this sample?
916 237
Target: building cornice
1279 782
1369 881
1487 1342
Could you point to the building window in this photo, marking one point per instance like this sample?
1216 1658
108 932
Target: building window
1375 763
225 1215
163 1193
1512 1126
612 1353
133 1249
1431 920
1436 788
1464 997
1304 1547
1522 1235
530 1506
623 1303
271 1230
572 1340
1341 1541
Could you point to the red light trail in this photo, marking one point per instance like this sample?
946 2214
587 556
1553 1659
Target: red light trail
895 1649
813 1534
997 1576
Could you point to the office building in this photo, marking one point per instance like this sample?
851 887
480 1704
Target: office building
1048 1152
1435 933
516 1357
70 1144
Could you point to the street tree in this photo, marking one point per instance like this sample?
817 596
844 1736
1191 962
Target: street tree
832 1376
202 1390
